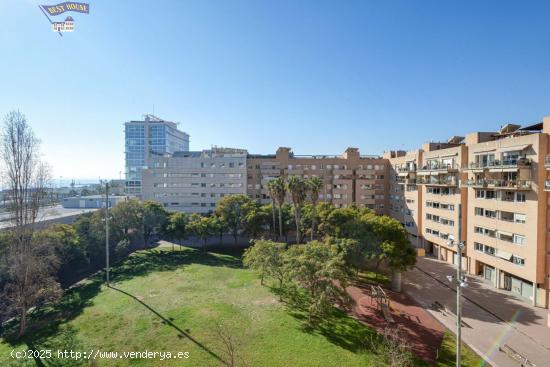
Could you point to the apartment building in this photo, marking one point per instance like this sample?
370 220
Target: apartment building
443 199
146 138
348 179
489 190
195 181
508 222
405 199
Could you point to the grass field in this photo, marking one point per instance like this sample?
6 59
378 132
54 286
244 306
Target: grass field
173 301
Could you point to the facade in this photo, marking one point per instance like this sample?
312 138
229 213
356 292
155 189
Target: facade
348 178
489 190
147 138
405 198
508 230
195 181
91 201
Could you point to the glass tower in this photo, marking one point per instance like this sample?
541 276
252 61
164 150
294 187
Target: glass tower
151 136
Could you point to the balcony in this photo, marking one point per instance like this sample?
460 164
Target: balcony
406 180
499 184
437 168
406 169
500 165
447 181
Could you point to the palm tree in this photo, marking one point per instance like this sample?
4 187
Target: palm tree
272 193
298 193
279 194
314 185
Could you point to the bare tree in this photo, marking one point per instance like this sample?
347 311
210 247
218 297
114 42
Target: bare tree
229 345
29 265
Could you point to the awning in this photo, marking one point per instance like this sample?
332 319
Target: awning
513 148
503 255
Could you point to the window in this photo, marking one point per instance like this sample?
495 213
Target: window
478 246
520 196
519 239
519 218
518 260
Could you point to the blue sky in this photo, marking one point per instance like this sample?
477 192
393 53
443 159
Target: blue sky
317 76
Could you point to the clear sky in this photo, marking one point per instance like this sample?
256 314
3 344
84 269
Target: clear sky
317 76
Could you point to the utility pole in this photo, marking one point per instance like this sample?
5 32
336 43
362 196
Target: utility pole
461 282
107 231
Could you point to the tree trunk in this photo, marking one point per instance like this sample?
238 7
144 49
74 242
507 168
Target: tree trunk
236 237
396 283
313 220
281 222
273 213
23 322
297 219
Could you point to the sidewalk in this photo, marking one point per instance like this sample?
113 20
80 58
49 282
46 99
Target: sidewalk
491 318
421 329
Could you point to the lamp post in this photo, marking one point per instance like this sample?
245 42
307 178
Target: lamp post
107 269
460 282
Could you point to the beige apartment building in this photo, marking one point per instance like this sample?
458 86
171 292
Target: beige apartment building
194 182
489 190
348 179
405 199
508 229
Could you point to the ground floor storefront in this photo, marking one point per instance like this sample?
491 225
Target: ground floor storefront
524 289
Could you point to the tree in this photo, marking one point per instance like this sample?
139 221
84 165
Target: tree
200 227
176 226
154 219
394 247
272 190
298 192
128 217
314 184
278 186
218 227
64 239
345 223
321 270
255 219
28 265
266 258
232 210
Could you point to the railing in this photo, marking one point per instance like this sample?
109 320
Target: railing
511 184
442 182
508 163
406 169
439 167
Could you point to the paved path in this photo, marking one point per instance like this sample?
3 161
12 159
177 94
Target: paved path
421 329
491 318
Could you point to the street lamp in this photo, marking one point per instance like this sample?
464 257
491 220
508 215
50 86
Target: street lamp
460 283
106 230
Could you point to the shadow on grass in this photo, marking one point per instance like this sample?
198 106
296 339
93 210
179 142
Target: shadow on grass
336 326
45 322
169 322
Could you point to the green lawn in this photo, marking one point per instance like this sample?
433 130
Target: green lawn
193 292
447 354
172 301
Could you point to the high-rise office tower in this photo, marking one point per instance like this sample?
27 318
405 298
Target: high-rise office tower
144 139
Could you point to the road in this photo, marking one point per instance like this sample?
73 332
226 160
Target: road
491 318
